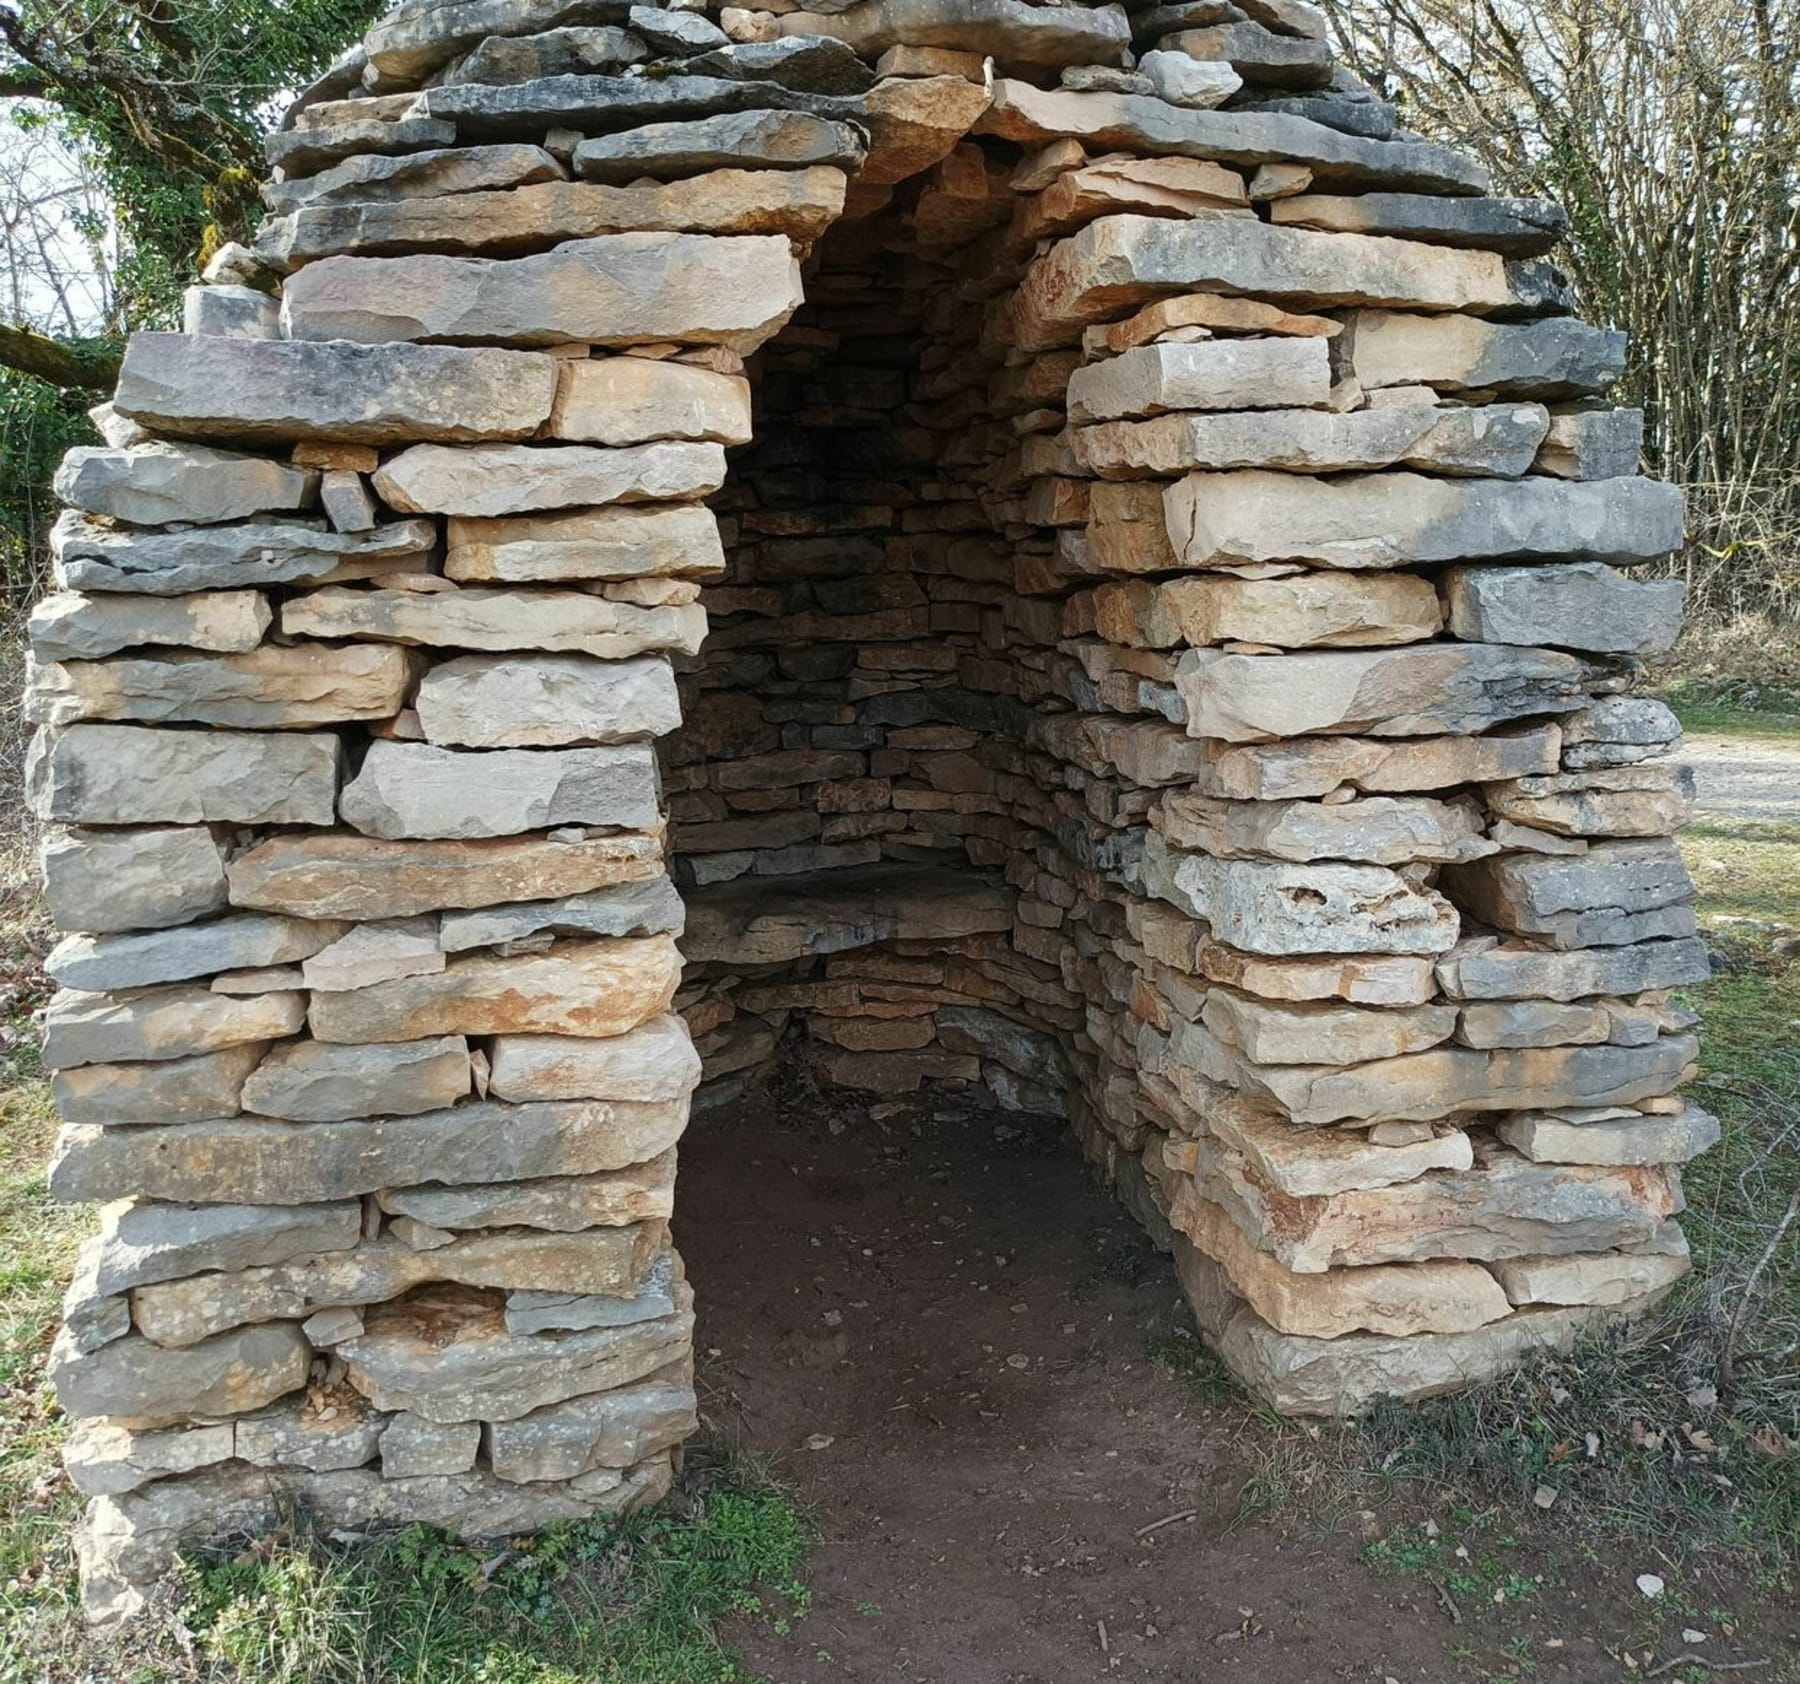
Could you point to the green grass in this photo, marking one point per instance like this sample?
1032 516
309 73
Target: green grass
1732 709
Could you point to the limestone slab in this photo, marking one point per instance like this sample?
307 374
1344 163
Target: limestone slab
546 701
732 140
1593 444
176 1090
131 774
158 483
1376 830
1212 374
561 1203
1304 610
630 909
655 1061
276 391
1268 1032
1606 1277
141 959
407 790
1616 1139
149 878
160 1023
143 1241
343 876
551 622
1392 519
411 1447
276 687
375 952
1557 356
612 1429
254 1161
315 1082
1418 691
501 479
140 1382
616 289
1513 227
613 543
1305 1163
178 1314
1501 440
73 626
1490 969
1587 606
104 1459
629 400
1306 767
592 988
372 178
94 557
1617 893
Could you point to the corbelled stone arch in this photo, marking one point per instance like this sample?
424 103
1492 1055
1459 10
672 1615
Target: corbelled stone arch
1198 705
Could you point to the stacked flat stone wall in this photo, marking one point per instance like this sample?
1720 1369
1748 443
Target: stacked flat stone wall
1170 567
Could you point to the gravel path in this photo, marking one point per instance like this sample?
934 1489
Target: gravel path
1744 778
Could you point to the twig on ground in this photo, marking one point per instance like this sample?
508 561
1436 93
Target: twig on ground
1167 1520
1688 1658
1728 1351
1447 1601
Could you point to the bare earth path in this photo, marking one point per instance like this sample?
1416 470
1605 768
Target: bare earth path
954 1345
1740 778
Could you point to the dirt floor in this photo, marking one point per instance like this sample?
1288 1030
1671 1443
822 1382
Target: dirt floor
959 1350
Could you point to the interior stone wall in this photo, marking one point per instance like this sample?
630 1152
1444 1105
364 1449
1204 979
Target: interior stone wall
1166 549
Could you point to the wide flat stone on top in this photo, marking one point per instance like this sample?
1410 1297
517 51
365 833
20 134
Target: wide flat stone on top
1123 261
732 140
615 289
1012 32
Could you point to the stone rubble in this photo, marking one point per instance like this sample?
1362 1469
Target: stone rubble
1157 651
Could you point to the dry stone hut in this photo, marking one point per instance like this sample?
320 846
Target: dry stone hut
1043 546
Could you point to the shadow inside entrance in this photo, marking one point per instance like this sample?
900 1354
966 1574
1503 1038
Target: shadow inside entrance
976 1373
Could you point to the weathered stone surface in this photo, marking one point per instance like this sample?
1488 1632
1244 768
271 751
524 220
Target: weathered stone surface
1212 374
562 1204
1126 260
156 483
1558 356
1618 731
176 1090
312 1082
1532 1023
615 543
143 1241
1611 1137
322 1437
1396 1299
1318 1163
796 204
94 557
1272 1033
628 400
612 1429
302 151
1615 894
160 1023
1488 969
631 909
661 1292
411 1446
1587 606
1181 79
72 626
1504 1207
1501 440
1593 444
126 1543
182 1313
1013 32
615 289
406 45
580 988
1260 55
104 1459
1377 830
233 311
373 179
1371 981
1607 1277
272 688
105 880
249 1160
500 479
1309 767
1417 691
416 790
553 622
273 391
1450 1081
143 1383
360 877
655 1061
141 959
447 1357
1623 801
1514 227
1389 520
546 701
1132 123
813 63
1273 908
130 774
731 140
376 952
1341 610
589 49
